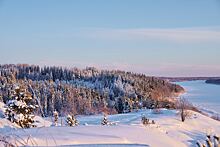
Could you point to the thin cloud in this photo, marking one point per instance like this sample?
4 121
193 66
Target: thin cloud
178 35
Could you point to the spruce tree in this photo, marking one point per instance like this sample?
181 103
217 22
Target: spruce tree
105 120
72 121
20 108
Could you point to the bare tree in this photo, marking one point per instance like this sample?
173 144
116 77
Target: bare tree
183 105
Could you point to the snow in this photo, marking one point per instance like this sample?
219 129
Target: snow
5 125
126 131
2 109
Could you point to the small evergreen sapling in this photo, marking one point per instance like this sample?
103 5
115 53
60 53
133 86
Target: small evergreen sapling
145 121
72 121
104 120
153 122
20 108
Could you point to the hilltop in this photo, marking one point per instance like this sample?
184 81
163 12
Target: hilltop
87 91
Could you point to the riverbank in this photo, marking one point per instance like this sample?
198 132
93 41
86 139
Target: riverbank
206 97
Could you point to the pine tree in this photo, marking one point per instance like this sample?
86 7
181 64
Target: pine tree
72 121
105 120
20 108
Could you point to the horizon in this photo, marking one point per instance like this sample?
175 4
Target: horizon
155 38
100 69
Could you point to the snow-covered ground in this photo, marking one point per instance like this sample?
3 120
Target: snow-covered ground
126 131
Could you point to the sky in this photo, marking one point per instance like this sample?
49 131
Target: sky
154 37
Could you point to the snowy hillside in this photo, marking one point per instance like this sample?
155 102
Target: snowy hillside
126 131
87 91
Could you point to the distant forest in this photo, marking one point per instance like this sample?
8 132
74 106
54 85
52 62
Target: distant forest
87 91
213 81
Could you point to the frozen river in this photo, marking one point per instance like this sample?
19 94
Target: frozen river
205 96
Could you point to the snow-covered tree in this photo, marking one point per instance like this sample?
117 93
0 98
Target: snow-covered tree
72 121
145 120
55 115
20 108
104 120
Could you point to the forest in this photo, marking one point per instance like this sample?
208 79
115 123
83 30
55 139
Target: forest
86 91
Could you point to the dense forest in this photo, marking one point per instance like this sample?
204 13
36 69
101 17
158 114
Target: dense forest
86 91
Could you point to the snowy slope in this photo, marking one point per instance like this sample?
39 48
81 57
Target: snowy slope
168 131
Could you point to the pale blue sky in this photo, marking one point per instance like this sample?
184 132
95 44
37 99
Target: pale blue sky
155 37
